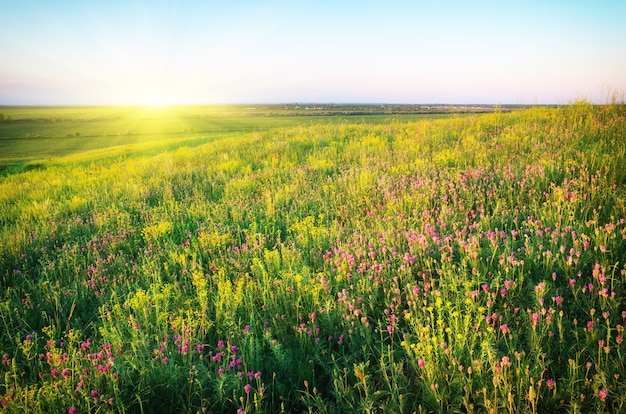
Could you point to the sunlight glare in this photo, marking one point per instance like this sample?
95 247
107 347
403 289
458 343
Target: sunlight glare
156 103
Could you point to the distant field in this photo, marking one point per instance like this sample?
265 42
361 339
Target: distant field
35 133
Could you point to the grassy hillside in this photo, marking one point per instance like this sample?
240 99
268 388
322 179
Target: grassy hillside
472 264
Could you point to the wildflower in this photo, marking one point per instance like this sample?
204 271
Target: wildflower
535 319
618 339
602 394
539 288
504 328
66 373
247 388
590 325
164 360
72 410
389 328
220 344
550 383
421 363
94 393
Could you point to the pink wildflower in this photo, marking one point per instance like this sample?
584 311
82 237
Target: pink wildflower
535 319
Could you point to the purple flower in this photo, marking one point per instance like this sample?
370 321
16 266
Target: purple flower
247 388
602 394
535 319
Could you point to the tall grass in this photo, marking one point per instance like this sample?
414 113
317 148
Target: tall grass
473 264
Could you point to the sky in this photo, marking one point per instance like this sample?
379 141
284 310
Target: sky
161 52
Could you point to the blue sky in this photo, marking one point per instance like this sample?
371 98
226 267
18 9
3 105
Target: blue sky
193 52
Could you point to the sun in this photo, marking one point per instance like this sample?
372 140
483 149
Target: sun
156 103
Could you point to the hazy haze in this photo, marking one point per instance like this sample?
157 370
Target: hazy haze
155 51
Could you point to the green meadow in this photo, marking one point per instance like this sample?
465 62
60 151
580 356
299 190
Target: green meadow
35 133
264 260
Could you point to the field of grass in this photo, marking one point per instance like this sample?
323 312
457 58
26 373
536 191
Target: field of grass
30 134
466 264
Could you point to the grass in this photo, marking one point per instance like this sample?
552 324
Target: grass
30 134
468 264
